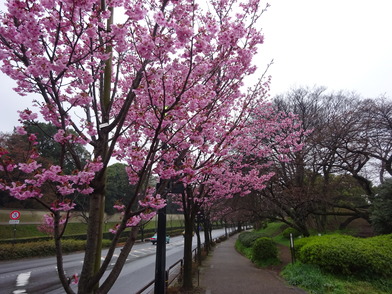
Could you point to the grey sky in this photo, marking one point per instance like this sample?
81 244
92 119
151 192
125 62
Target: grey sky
339 44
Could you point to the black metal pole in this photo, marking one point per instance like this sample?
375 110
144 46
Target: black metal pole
160 263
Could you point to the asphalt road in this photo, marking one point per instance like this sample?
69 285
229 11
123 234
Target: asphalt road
38 275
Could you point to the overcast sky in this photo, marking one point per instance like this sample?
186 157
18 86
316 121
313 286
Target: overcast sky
339 44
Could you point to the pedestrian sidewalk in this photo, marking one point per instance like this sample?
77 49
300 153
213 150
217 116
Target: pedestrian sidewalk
226 271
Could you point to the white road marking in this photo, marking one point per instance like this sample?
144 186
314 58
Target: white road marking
23 279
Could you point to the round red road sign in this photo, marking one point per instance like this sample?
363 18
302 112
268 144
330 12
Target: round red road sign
15 215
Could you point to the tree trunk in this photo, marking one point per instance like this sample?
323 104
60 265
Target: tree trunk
187 279
92 257
207 240
198 246
59 255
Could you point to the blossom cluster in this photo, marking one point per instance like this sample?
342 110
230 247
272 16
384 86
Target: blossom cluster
177 106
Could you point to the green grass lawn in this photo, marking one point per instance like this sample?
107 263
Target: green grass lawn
30 230
317 281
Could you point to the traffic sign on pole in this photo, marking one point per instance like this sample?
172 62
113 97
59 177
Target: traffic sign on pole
14 215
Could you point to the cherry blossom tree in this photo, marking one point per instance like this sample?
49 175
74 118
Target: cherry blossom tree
161 90
230 158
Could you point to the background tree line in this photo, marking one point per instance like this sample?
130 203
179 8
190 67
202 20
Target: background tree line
343 169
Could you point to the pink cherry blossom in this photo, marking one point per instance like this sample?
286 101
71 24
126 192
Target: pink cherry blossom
30 167
161 88
133 221
63 206
20 130
27 115
120 208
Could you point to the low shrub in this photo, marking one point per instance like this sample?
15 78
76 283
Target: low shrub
348 255
248 238
264 249
246 251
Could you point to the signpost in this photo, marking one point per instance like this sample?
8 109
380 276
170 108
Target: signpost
14 220
160 260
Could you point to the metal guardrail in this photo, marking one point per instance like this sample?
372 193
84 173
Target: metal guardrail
172 273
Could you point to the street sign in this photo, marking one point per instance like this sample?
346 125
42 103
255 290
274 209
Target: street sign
14 215
13 221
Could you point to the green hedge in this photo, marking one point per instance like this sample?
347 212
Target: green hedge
175 231
347 255
248 238
43 248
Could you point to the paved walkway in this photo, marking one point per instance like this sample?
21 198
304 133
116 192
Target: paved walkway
228 272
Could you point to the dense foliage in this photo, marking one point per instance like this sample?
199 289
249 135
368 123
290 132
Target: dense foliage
382 209
118 188
348 255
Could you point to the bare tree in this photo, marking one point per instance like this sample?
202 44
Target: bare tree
336 145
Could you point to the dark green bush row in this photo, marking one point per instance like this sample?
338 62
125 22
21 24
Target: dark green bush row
25 240
81 237
43 248
248 238
175 231
347 254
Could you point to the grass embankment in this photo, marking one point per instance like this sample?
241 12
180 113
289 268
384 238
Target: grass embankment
25 240
27 228
42 248
31 230
317 280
